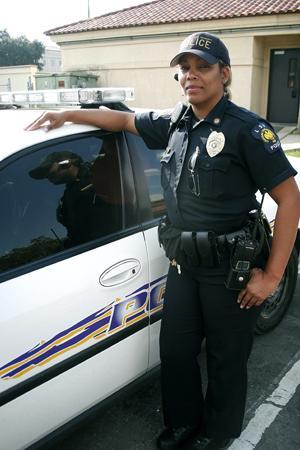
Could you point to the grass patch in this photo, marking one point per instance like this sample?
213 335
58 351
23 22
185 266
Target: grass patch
293 152
297 131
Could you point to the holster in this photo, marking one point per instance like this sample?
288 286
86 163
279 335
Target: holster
169 237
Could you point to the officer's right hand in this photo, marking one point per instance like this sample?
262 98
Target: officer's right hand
260 286
48 120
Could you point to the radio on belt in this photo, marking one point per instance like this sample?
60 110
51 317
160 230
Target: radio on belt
243 256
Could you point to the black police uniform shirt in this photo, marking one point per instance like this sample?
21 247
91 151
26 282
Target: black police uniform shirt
250 159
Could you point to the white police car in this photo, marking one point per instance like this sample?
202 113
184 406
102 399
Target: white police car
82 275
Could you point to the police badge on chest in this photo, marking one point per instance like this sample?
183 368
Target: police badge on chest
215 143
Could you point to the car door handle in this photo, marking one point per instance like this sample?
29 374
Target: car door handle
294 93
120 272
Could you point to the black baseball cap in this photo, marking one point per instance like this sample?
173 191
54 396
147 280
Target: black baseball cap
205 45
41 171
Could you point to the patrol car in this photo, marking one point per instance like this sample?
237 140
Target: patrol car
80 304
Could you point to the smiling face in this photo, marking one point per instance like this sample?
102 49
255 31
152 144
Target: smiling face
202 83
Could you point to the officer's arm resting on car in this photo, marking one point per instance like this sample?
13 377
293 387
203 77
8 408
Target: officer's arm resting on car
103 118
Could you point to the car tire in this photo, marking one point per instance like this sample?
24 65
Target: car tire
276 304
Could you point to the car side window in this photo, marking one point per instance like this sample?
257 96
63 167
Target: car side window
59 197
152 172
147 170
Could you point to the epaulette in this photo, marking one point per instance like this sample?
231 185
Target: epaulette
252 121
176 115
258 127
242 114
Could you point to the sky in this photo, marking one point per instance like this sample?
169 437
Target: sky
33 17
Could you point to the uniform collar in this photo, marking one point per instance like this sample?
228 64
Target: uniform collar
215 116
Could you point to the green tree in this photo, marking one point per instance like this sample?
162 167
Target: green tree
20 51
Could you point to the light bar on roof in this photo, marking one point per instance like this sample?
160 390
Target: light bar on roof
105 95
53 97
68 96
5 97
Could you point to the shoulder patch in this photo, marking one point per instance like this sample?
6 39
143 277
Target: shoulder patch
262 132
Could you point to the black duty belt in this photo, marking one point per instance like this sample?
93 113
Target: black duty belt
197 248
207 249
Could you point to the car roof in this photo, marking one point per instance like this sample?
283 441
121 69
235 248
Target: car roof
14 138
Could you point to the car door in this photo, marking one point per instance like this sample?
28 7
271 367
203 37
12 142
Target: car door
146 166
74 283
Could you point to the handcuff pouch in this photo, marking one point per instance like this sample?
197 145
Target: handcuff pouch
206 244
200 248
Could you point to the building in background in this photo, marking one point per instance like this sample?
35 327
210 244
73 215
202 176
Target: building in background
27 77
64 80
133 47
17 78
51 60
23 78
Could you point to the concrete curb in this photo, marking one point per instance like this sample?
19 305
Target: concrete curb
289 141
285 132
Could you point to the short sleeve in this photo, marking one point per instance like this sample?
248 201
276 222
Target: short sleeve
153 127
265 159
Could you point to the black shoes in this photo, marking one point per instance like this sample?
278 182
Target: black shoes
173 438
204 443
188 438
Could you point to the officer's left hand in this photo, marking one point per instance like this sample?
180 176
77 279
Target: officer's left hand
259 287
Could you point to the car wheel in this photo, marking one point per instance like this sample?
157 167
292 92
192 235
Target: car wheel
276 305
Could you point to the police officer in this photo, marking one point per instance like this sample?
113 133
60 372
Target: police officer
217 156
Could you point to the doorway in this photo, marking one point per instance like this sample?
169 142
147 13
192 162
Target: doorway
284 86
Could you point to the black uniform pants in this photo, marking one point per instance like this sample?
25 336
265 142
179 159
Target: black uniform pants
198 306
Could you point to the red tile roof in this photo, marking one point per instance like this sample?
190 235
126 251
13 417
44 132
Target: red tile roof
176 11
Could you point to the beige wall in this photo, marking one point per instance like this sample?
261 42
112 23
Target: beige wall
240 50
139 56
142 64
257 76
19 76
146 67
